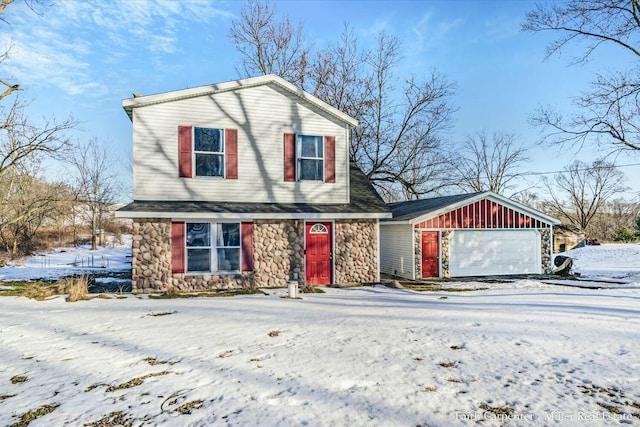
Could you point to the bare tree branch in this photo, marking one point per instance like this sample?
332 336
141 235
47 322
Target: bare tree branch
609 112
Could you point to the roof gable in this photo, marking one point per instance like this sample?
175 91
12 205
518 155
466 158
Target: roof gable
497 212
271 79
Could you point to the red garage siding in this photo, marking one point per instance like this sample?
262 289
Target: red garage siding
482 214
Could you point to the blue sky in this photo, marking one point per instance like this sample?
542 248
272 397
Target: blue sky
82 58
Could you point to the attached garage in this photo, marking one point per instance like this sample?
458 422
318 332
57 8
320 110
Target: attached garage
478 234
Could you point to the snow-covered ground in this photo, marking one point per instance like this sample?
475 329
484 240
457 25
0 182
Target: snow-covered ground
619 261
68 261
519 353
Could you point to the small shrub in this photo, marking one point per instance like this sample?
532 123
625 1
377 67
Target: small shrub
624 234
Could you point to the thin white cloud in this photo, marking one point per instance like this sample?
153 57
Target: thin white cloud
70 42
426 34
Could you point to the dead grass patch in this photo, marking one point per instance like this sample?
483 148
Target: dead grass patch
222 293
453 380
161 313
447 364
34 414
275 333
501 411
456 347
94 386
17 379
6 396
77 288
114 419
308 289
611 408
432 287
430 389
153 361
136 381
225 353
187 408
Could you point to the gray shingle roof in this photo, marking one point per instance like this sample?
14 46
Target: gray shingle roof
405 211
364 199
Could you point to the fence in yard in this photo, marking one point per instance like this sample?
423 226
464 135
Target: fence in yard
91 262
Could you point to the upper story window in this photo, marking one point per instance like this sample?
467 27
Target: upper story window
310 157
208 147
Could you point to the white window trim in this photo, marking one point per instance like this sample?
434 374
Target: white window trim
213 248
299 157
223 144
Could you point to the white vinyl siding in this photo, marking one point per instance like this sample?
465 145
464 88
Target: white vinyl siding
494 252
262 115
396 250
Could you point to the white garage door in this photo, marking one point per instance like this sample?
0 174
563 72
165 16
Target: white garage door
495 252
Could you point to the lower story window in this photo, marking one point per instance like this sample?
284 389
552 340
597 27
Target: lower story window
213 247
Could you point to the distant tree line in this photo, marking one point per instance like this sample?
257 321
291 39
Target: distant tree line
34 206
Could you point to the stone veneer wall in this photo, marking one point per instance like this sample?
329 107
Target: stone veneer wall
278 251
151 255
445 244
355 252
417 252
151 263
545 248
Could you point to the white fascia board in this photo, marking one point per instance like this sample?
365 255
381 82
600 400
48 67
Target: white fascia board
250 216
487 195
407 222
142 101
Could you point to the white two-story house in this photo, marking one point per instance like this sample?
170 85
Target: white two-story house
247 183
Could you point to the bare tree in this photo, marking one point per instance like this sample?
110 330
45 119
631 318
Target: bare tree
25 199
27 203
484 164
96 185
269 45
398 142
608 113
579 193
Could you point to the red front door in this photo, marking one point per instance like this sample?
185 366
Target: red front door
318 253
430 254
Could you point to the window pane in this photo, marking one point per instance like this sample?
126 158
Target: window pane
228 234
209 164
208 140
310 146
311 169
229 259
199 260
198 234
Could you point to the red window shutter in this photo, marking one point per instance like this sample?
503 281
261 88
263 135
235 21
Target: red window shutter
246 231
329 159
289 157
231 153
177 247
184 147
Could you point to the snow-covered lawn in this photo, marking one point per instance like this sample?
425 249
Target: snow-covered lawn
520 353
